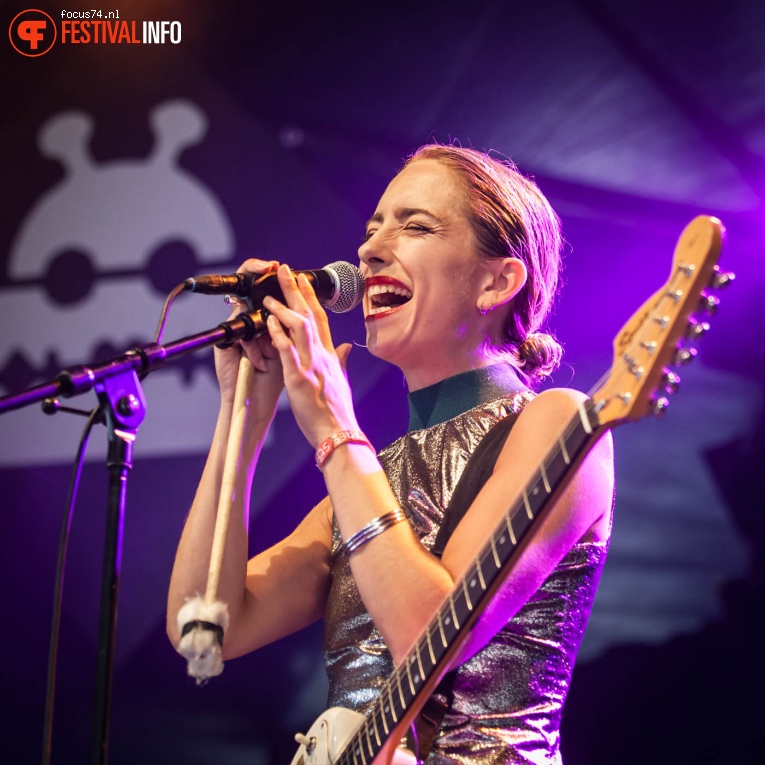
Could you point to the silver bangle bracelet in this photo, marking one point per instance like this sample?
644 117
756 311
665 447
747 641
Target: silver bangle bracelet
372 529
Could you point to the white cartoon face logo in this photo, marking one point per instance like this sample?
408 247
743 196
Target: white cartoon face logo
85 272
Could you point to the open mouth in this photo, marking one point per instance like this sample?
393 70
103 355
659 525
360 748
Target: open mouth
386 296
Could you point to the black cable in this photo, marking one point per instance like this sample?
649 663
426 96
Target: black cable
50 691
165 308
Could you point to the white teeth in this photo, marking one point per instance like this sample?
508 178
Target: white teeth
376 290
373 311
380 289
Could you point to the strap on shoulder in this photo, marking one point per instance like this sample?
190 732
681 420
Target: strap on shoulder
479 468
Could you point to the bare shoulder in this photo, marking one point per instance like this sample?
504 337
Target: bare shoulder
544 419
538 430
555 403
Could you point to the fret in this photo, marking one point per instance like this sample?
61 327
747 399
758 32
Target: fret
419 662
384 721
494 550
544 478
409 675
377 733
584 417
564 451
509 524
369 741
528 506
454 614
430 647
480 573
358 750
556 469
441 629
467 595
392 705
400 690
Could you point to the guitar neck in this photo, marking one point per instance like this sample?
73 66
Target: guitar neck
448 629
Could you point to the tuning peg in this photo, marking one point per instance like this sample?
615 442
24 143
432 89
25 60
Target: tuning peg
670 380
660 406
684 356
722 278
708 304
696 329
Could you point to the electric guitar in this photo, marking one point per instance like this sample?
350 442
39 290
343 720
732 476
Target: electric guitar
661 333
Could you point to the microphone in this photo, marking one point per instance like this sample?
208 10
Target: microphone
338 286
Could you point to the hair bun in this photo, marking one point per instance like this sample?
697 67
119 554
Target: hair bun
540 355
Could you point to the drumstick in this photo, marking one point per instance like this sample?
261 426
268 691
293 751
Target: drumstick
203 622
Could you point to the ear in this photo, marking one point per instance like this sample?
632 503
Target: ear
504 280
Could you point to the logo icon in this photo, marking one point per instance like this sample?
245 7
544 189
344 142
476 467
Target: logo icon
92 261
32 33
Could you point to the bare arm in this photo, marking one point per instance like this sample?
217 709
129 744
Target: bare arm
293 572
275 593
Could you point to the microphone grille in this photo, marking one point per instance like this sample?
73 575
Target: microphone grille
350 286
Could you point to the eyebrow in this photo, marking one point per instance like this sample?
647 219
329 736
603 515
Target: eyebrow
402 213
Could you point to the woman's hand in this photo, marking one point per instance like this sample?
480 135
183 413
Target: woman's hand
267 381
314 371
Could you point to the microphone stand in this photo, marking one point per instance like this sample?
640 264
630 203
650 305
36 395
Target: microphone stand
117 384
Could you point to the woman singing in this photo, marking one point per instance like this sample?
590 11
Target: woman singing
461 260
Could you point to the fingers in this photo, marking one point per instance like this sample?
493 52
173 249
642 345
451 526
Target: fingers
281 341
259 351
309 321
257 266
320 315
250 266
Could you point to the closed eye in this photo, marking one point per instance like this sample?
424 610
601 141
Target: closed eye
418 228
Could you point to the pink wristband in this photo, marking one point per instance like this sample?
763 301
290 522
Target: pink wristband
328 445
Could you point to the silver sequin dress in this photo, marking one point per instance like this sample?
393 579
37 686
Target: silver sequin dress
508 698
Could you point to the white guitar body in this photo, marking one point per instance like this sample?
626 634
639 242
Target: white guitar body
329 735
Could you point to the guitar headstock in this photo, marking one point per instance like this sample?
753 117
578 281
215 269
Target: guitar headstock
663 332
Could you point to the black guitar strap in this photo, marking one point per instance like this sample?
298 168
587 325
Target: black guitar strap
479 468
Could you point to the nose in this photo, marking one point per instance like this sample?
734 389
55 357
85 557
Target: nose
373 251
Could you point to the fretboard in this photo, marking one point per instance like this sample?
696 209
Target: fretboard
471 594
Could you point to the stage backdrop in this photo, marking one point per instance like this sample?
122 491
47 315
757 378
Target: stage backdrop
131 162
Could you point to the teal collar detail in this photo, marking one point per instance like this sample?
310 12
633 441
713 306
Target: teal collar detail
455 395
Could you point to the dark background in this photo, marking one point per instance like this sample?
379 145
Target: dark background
272 131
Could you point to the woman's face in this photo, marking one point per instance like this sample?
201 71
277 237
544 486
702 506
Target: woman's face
424 277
